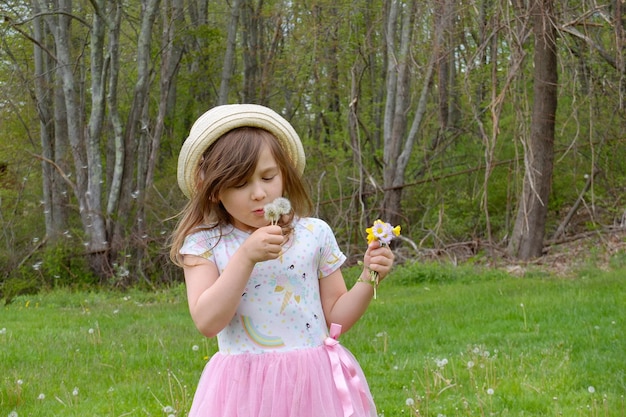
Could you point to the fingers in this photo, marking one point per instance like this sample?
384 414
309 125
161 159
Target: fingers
379 259
265 243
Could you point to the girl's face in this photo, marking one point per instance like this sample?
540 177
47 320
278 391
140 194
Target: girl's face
245 201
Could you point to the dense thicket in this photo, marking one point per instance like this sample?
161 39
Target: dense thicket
490 123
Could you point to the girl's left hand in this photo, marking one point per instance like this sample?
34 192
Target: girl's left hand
379 258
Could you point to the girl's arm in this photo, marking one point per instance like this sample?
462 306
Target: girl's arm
213 298
346 307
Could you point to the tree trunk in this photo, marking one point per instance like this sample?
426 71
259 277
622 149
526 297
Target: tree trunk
54 166
136 131
229 57
398 143
529 230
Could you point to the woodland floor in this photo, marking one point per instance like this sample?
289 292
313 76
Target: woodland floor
599 249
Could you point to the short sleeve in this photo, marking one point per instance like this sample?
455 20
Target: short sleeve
331 257
200 244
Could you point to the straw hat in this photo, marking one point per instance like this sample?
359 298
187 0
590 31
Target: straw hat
221 119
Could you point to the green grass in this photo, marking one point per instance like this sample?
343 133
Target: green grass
449 341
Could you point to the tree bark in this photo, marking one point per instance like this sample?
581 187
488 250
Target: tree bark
398 143
229 57
530 225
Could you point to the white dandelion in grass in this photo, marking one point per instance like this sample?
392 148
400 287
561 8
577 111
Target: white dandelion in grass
75 392
41 397
195 348
410 402
490 391
591 389
168 409
13 414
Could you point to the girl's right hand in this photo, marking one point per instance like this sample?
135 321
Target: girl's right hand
264 244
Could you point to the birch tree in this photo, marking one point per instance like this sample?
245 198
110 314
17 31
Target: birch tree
398 138
80 92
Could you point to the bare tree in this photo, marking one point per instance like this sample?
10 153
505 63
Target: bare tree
110 188
528 234
229 56
398 142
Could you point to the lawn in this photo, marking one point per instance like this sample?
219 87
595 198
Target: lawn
439 341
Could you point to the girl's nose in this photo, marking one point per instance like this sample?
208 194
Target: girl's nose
258 191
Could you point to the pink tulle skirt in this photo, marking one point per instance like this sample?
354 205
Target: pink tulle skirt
300 383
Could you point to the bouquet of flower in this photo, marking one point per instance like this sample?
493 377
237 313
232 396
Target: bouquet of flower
384 233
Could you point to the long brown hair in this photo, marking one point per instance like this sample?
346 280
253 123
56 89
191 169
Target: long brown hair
229 161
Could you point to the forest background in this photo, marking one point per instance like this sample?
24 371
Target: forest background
488 129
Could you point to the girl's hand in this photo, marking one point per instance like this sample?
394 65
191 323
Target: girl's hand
378 258
264 244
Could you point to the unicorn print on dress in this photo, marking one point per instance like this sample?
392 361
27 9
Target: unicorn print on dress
292 284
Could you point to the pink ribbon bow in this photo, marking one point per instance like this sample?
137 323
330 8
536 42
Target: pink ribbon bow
340 360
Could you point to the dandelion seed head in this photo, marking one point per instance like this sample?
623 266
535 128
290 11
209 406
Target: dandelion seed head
41 397
195 348
271 212
91 331
410 402
168 409
591 389
283 205
13 414
470 364
489 391
75 392
20 382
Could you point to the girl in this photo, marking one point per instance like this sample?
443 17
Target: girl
269 292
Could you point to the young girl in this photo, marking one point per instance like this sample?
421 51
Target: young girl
268 291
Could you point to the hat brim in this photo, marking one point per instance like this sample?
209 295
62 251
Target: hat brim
221 119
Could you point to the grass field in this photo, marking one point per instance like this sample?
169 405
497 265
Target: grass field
439 341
